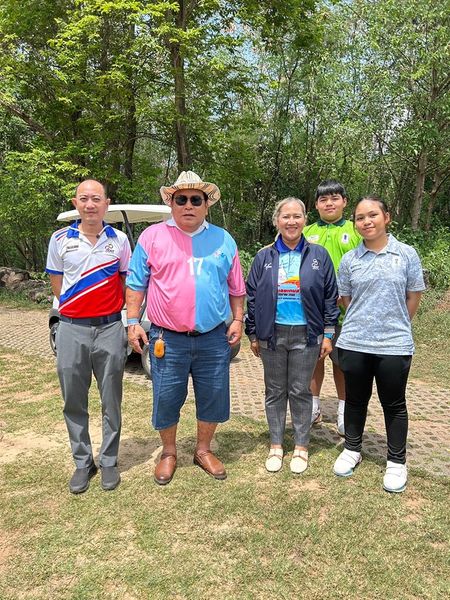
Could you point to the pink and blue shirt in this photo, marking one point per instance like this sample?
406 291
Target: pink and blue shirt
91 285
188 278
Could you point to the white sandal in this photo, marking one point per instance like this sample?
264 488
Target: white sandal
299 462
274 461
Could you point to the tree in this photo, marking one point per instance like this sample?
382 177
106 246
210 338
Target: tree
406 89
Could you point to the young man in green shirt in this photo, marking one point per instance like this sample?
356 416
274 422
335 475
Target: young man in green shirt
338 236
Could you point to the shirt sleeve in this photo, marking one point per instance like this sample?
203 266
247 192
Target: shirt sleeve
252 284
235 279
138 270
54 264
125 255
343 276
331 311
415 282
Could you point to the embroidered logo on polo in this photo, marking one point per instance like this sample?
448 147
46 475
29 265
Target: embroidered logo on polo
345 238
109 248
71 247
313 238
315 264
219 253
268 266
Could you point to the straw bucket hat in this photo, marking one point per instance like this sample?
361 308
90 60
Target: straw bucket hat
189 180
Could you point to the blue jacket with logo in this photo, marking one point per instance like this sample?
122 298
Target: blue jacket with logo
318 289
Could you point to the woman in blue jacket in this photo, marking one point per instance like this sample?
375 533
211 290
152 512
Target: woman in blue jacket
291 314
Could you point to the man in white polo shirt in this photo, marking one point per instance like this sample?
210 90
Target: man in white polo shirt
87 263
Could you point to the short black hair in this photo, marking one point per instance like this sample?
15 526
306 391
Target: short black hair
327 187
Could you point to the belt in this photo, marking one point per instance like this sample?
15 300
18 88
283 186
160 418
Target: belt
93 321
192 333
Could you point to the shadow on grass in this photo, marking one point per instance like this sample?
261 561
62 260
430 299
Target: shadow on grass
235 443
137 451
230 445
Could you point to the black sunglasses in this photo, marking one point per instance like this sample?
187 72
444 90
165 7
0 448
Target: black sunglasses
195 200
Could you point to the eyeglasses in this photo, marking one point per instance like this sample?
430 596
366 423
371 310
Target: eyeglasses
195 200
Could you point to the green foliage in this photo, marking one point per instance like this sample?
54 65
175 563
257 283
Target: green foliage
9 299
32 192
431 326
246 257
433 249
278 95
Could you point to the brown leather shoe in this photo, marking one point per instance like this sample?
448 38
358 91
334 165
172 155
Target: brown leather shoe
165 469
210 463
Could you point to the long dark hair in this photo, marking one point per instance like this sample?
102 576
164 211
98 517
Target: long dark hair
373 198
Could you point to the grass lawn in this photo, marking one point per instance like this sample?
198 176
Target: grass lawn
431 330
19 300
253 536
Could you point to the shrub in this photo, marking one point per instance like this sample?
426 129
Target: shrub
433 249
246 257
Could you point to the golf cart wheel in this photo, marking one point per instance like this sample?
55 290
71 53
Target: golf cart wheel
145 359
235 351
52 336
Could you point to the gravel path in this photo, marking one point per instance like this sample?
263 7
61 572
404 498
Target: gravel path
429 425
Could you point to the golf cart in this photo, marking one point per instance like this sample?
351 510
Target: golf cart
122 216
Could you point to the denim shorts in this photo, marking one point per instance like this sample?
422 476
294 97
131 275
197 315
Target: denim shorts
206 358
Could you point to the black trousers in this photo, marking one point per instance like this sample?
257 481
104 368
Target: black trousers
391 375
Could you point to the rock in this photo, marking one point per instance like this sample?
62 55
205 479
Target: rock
9 278
19 281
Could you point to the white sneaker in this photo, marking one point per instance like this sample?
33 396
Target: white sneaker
346 462
274 461
395 477
299 461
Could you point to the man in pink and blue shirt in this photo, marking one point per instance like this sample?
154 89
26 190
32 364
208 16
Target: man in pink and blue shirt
190 274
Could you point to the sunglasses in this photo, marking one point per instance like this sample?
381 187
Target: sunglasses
195 200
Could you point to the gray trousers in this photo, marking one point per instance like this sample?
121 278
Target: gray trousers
83 350
287 375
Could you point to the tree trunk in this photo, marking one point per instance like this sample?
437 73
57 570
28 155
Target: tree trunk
286 73
130 119
130 140
28 119
181 18
439 178
419 190
183 152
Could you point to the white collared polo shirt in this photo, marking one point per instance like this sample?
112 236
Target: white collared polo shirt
377 319
91 285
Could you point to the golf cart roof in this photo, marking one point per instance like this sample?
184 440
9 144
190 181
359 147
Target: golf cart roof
135 213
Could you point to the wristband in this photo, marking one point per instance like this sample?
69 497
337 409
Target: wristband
329 336
132 321
240 320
